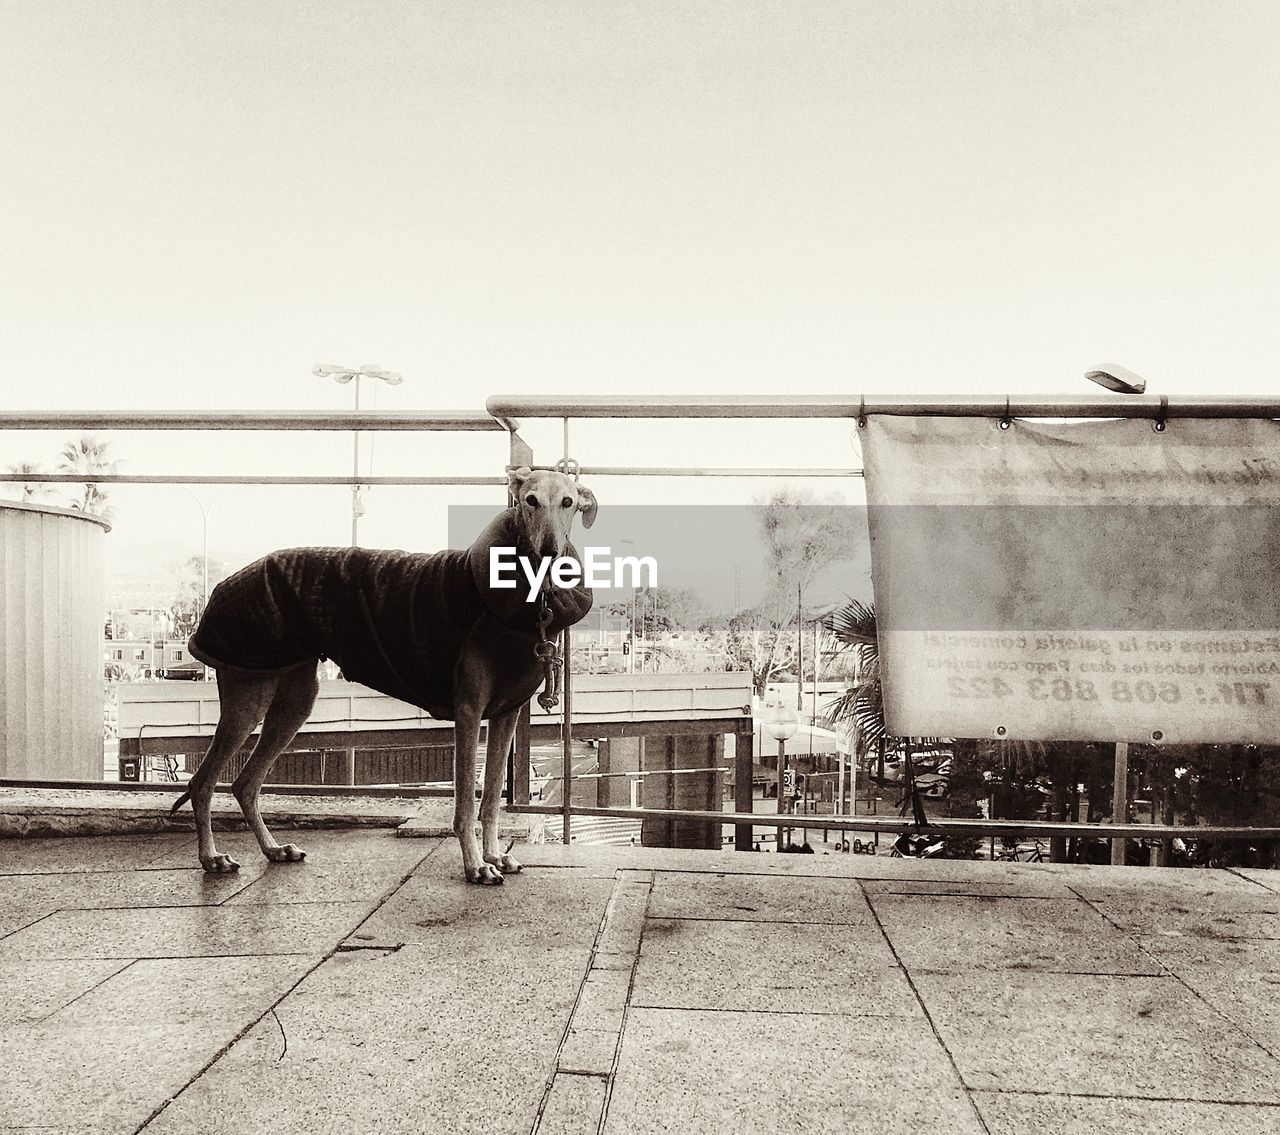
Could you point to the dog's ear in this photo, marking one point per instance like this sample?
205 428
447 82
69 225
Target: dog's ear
587 506
516 477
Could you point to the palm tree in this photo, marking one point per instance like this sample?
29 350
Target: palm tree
87 455
31 492
861 706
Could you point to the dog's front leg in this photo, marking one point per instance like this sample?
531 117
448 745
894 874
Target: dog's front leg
502 728
466 736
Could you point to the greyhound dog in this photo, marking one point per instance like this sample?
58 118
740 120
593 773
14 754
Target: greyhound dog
427 629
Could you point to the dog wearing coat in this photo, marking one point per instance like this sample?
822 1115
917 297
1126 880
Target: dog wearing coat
427 629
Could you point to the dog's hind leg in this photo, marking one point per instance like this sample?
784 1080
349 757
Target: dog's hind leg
501 729
291 704
466 736
243 698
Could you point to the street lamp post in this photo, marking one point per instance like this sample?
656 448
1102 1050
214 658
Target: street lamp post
205 509
631 631
1122 381
341 374
780 721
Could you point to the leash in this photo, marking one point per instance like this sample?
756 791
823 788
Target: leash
548 654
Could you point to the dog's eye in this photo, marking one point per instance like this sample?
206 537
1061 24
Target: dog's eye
531 501
567 502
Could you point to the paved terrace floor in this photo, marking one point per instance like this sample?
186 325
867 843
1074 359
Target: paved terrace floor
627 990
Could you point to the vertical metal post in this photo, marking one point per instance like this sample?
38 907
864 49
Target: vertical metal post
355 472
1120 800
518 763
566 741
518 789
743 800
566 720
782 772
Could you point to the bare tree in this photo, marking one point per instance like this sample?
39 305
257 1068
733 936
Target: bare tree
802 536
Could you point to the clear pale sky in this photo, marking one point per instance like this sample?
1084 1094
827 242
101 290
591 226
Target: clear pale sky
202 200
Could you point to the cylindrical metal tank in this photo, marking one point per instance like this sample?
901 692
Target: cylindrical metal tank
52 601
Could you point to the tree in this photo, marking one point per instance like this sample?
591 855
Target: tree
31 492
188 600
852 628
88 455
802 536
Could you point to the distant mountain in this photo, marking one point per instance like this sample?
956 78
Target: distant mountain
144 575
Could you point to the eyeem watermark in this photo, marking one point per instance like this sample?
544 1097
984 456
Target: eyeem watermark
599 568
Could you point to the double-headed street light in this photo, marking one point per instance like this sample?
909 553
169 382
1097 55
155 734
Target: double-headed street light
342 375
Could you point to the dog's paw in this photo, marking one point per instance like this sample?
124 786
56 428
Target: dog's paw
507 864
486 875
219 864
285 853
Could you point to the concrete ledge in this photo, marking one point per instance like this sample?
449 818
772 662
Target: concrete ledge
35 812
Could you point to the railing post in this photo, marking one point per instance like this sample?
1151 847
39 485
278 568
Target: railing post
518 789
1120 800
743 771
566 743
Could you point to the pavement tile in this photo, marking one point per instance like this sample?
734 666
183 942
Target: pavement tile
101 890
588 1050
1177 880
1199 911
770 1073
370 994
309 882
1264 878
1239 978
57 854
767 898
324 847
574 1106
1041 885
116 1054
946 933
1011 1113
394 1042
775 966
1024 1031
16 917
194 931
529 912
31 990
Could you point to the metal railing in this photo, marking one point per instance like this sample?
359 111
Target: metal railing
504 413
510 409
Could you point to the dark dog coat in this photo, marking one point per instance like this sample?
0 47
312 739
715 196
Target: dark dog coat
397 622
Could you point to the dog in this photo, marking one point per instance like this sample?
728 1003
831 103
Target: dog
427 629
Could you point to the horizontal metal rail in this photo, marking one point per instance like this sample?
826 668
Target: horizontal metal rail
247 420
638 774
239 479
906 824
507 406
693 471
169 787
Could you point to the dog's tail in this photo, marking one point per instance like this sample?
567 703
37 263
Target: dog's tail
180 801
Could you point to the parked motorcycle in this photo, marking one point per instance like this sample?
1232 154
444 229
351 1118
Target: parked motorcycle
917 846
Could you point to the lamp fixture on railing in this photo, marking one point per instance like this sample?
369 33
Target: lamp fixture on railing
343 375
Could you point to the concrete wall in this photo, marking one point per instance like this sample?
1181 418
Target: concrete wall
692 790
52 599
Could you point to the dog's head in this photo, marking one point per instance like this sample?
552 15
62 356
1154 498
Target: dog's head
545 506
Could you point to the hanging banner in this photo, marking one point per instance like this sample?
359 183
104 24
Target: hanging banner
1100 581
